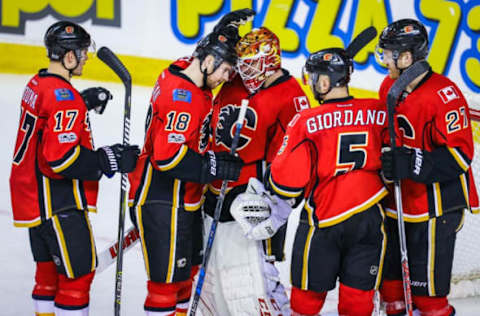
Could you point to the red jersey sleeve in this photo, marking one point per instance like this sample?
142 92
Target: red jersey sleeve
291 168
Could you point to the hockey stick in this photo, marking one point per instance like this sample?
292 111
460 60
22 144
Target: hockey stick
112 61
109 255
216 215
392 98
361 40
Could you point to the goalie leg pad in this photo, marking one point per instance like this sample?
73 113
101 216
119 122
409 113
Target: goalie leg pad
306 302
249 284
355 302
433 306
73 294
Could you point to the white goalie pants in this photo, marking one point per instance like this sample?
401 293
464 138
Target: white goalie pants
238 280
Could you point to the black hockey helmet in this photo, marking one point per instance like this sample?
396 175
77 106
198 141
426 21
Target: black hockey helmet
64 36
333 62
405 35
219 46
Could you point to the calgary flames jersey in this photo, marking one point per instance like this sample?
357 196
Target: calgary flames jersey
266 119
178 119
435 115
331 156
53 130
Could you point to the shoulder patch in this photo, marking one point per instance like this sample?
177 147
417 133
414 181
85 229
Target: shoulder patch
448 94
301 103
64 94
182 95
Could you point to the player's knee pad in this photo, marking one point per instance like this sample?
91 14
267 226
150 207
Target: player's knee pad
161 297
306 302
433 306
73 294
46 277
392 296
355 302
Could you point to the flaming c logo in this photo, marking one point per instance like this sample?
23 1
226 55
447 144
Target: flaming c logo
69 29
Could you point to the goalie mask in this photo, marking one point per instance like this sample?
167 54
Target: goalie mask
258 57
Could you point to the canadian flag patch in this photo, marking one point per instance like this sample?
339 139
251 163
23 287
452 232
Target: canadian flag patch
448 94
301 103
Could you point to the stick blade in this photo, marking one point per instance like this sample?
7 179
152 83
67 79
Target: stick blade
362 39
112 61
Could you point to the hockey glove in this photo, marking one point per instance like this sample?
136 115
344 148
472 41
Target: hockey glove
117 158
403 162
280 210
228 25
96 98
221 165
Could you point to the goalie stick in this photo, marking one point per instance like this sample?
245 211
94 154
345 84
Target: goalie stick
112 61
216 215
392 99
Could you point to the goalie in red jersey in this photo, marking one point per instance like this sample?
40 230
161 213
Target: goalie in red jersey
433 161
241 277
55 173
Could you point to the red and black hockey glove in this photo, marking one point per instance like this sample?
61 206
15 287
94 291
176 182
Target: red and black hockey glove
221 165
228 25
96 98
402 162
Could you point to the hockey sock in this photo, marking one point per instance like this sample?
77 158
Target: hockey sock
306 302
45 288
73 294
161 299
354 302
433 306
392 295
183 297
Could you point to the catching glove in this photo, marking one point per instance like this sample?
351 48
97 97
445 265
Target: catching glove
96 98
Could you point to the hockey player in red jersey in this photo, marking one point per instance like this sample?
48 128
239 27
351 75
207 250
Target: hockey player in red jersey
168 182
330 158
433 161
241 279
55 173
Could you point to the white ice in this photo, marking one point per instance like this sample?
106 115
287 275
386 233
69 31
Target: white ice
16 263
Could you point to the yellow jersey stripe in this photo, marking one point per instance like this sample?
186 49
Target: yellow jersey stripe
306 252
408 217
176 160
138 211
173 231
383 250
92 241
27 224
458 158
282 192
63 247
431 257
354 210
194 206
69 161
47 197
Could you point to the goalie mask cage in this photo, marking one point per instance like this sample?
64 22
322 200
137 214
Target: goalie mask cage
466 263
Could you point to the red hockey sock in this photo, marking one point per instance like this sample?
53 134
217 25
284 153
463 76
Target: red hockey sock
306 302
73 293
161 297
183 296
46 279
433 306
354 302
392 295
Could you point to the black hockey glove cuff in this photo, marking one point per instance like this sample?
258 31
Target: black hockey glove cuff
221 165
96 98
117 158
401 163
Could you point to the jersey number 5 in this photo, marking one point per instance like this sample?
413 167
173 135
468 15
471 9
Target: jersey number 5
351 153
27 126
